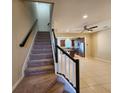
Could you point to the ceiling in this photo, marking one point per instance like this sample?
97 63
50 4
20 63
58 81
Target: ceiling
68 14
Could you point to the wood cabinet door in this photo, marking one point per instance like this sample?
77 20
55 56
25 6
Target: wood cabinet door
72 43
62 43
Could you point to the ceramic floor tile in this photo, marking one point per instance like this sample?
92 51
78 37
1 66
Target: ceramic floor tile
107 86
83 84
87 90
99 89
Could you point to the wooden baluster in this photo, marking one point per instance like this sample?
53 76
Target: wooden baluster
65 66
77 76
69 69
60 62
73 74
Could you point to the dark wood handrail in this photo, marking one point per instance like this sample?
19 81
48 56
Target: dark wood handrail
22 44
56 52
54 34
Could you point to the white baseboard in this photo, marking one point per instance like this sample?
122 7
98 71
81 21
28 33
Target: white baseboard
16 84
103 60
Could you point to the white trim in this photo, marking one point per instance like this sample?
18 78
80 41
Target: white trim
16 84
27 57
103 60
67 85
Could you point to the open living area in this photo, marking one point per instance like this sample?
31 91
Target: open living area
61 46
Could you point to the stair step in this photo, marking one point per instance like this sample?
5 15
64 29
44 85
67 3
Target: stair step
42 62
36 84
43 32
34 73
43 35
44 50
42 40
41 56
42 43
57 88
41 46
39 70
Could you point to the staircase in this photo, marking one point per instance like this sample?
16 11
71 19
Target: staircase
39 74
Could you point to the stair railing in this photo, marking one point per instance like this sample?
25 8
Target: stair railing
67 66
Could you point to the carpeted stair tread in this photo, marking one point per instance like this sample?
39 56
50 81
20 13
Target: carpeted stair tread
43 49
42 40
41 46
41 43
39 51
36 84
57 88
40 68
42 62
34 73
41 56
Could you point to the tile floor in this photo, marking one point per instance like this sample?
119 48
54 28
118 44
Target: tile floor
95 76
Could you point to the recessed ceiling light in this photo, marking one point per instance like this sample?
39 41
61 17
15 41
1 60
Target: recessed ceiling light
67 30
85 16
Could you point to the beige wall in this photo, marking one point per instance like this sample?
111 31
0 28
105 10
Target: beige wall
76 35
101 45
21 23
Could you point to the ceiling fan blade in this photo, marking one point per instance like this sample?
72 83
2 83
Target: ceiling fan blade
85 27
93 27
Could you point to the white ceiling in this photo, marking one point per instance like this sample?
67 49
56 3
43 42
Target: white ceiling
68 14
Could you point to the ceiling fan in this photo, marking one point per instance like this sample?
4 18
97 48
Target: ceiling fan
89 28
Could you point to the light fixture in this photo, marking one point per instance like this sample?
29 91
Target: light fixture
85 16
